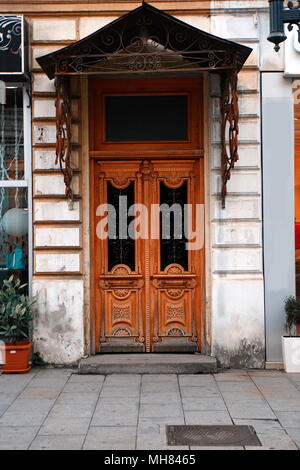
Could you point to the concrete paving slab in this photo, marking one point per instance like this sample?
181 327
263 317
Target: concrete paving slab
162 378
262 426
112 401
265 373
77 398
289 419
115 415
111 438
28 405
158 387
196 380
199 392
274 441
81 410
204 404
57 442
279 404
64 426
243 398
120 391
17 438
76 378
157 425
251 411
55 372
207 417
38 393
89 387
48 382
3 408
160 398
294 434
123 379
7 398
232 375
156 410
17 419
293 377
246 387
13 386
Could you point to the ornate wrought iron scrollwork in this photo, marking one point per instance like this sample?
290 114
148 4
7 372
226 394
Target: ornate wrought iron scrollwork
147 41
63 131
296 20
229 128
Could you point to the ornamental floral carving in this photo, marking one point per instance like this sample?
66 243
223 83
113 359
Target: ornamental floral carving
175 332
121 293
121 312
121 332
175 293
175 312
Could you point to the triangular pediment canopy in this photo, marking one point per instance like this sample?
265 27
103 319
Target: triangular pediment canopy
142 41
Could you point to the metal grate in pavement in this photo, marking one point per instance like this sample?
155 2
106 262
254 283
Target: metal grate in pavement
225 435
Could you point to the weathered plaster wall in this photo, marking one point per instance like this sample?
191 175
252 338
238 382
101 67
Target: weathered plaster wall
237 317
58 334
58 265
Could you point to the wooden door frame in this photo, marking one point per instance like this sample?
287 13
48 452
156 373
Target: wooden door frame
194 149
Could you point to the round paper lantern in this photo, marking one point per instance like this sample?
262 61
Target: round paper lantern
15 222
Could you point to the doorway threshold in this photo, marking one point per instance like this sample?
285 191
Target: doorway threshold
149 363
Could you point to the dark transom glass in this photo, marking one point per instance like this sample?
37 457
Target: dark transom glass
146 118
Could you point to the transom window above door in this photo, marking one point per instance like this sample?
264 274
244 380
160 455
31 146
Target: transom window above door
138 118
149 114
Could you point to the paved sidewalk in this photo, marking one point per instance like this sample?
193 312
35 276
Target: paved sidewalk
58 409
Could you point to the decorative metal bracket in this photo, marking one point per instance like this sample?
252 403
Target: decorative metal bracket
278 17
63 131
229 127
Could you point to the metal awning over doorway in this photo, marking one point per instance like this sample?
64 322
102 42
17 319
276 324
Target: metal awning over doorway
148 42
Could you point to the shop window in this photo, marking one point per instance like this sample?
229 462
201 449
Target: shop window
14 183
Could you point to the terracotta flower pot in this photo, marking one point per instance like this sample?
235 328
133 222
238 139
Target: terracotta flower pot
16 357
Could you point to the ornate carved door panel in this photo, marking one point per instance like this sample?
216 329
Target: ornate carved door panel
176 272
148 285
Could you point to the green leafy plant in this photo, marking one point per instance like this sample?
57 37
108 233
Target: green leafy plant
292 311
15 311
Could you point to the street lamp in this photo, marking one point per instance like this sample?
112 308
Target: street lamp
280 15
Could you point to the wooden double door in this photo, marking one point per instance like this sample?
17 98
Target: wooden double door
148 282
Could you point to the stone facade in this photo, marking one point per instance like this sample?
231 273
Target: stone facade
235 326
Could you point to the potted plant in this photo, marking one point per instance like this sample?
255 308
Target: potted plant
15 325
291 342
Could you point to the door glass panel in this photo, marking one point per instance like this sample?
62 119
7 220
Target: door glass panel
120 246
172 223
146 118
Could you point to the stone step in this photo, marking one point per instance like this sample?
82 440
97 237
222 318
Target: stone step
148 364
